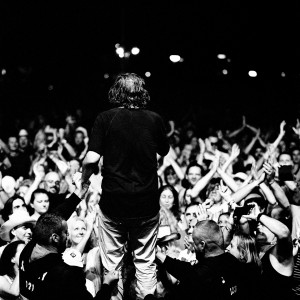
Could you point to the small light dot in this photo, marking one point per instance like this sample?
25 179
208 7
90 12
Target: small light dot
252 73
135 50
50 87
147 74
225 72
127 54
106 75
282 74
3 72
221 56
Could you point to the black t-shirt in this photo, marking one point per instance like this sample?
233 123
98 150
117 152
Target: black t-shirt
128 140
215 278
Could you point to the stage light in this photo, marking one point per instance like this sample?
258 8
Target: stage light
106 75
225 72
121 52
175 58
282 74
3 72
117 45
147 74
221 56
252 73
135 50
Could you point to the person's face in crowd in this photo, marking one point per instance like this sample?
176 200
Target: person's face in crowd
285 160
296 156
282 146
214 142
77 232
79 137
62 241
40 203
186 151
192 225
23 232
194 142
172 178
74 166
12 143
238 181
258 153
52 181
194 175
224 221
191 213
214 194
93 200
23 190
233 248
166 199
18 205
264 234
23 141
16 258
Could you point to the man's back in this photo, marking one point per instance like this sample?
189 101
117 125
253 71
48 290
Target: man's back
129 140
211 278
49 277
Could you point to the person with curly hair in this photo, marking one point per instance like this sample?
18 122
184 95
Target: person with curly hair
129 138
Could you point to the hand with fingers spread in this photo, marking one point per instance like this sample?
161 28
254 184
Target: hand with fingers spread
202 212
296 129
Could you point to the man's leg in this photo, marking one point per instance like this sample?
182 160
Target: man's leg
143 239
113 237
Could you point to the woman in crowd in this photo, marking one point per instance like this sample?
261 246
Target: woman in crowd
9 271
13 204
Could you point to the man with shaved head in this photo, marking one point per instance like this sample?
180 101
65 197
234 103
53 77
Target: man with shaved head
217 273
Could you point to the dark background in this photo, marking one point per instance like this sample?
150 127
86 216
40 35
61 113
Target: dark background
56 55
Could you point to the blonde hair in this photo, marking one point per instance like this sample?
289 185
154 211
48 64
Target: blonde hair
246 245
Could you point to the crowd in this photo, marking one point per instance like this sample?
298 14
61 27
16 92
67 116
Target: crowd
232 194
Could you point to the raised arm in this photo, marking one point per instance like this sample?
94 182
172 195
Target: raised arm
237 131
203 182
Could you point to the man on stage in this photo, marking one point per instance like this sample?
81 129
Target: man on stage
129 137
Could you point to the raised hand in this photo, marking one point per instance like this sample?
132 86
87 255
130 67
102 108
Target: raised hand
296 129
235 151
282 125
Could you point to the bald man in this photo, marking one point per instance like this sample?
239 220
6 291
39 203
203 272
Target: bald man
215 276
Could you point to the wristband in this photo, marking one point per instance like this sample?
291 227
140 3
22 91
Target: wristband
259 216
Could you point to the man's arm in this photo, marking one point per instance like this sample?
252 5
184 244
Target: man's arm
89 165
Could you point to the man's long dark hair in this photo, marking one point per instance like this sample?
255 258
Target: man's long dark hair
128 91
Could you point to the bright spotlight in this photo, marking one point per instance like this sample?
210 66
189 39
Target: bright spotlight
252 73
120 51
175 58
106 75
282 74
147 74
135 50
3 72
221 56
225 72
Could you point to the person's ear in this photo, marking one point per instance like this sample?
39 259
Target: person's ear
13 232
54 238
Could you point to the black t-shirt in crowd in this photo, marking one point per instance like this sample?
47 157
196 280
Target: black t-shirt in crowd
128 140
